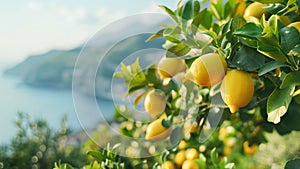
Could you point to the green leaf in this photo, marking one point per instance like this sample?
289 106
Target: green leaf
214 157
289 38
170 13
250 30
295 51
188 11
291 80
268 67
178 50
196 8
248 59
97 155
278 103
201 161
292 164
176 136
271 51
156 35
204 18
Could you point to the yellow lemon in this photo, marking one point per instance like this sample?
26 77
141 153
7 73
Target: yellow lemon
237 89
182 144
295 25
156 131
241 7
180 157
249 150
168 165
169 67
191 154
190 164
227 151
207 70
154 103
254 11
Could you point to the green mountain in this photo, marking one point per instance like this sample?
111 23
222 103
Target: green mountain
55 68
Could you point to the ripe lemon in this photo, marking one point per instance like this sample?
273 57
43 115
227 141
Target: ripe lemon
207 70
190 164
191 154
241 7
154 103
180 157
169 67
168 165
254 11
249 150
295 25
237 89
182 145
156 131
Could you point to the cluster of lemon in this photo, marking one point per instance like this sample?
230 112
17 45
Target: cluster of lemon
228 136
184 158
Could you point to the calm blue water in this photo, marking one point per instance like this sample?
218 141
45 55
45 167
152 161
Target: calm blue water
45 103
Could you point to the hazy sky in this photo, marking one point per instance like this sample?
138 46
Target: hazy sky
35 26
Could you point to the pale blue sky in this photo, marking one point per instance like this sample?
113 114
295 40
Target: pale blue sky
34 26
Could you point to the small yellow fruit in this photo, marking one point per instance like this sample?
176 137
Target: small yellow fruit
191 154
254 12
241 7
156 131
230 142
295 25
180 157
182 145
227 151
250 150
169 67
190 164
154 103
207 70
168 165
237 89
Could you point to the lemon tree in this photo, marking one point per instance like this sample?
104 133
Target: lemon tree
241 66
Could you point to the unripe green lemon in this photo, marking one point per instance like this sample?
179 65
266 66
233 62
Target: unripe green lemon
295 25
249 150
190 164
254 11
207 70
237 89
169 67
156 131
154 103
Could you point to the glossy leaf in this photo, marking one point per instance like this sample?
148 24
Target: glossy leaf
278 103
292 164
156 35
204 18
180 49
97 155
250 30
270 66
292 79
248 59
170 13
271 51
290 37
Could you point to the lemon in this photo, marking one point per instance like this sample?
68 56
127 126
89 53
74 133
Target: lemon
168 165
154 103
169 67
207 70
295 25
191 154
156 131
190 164
180 157
182 144
227 151
241 7
249 150
254 11
237 89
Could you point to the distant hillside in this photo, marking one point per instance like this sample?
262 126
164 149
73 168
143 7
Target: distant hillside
55 68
